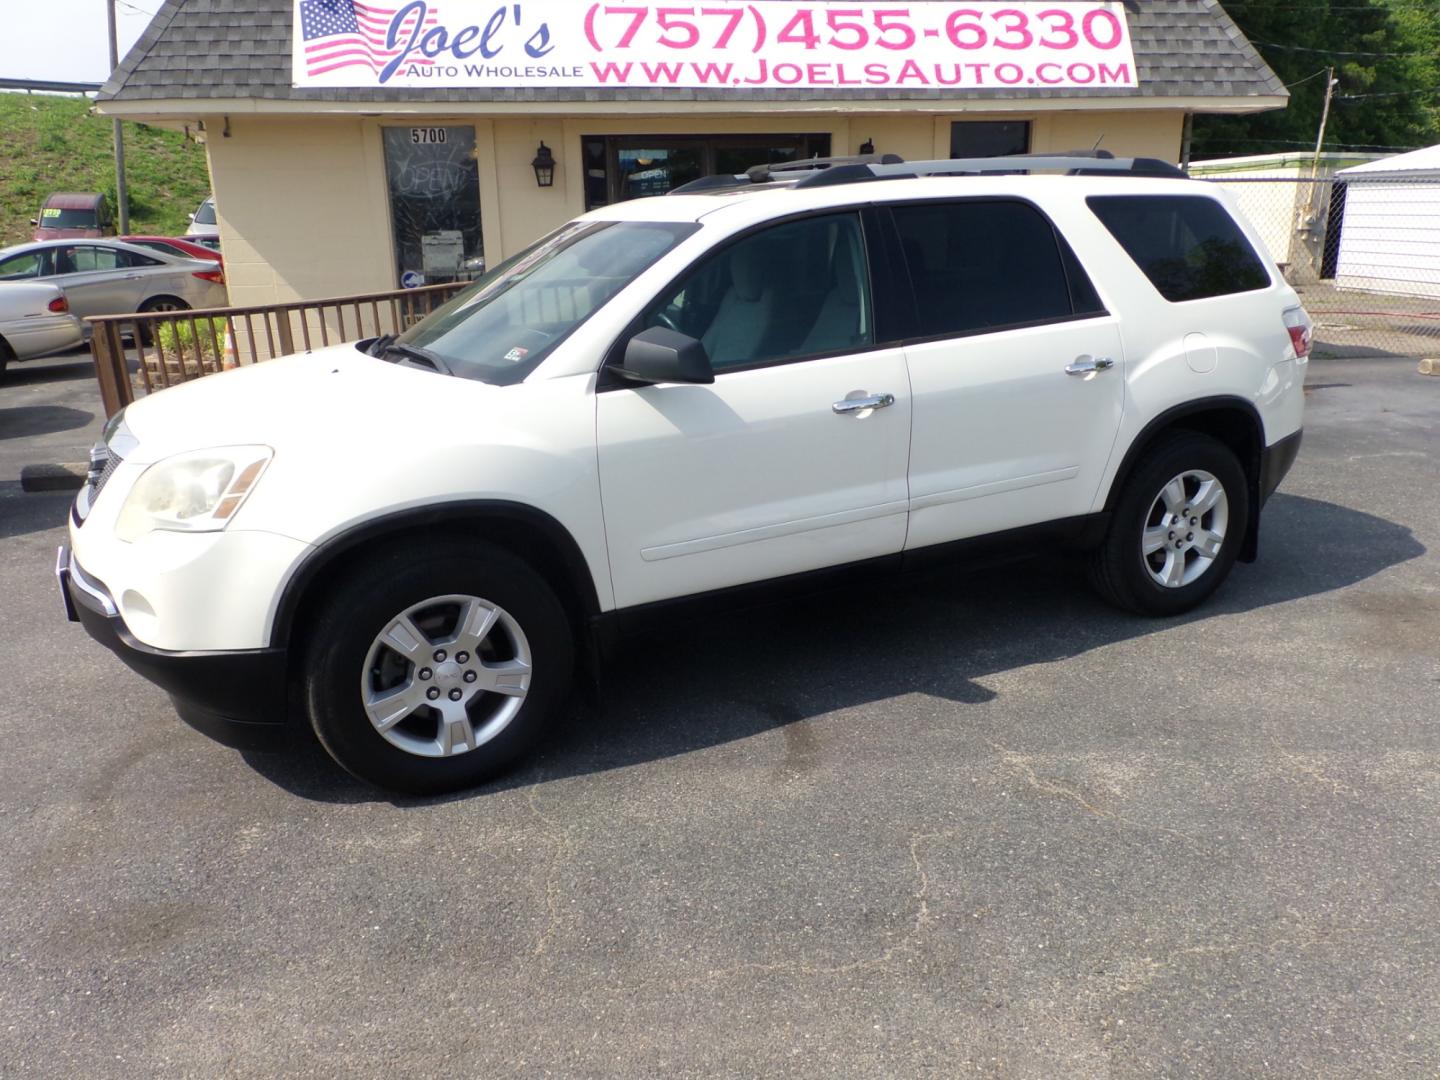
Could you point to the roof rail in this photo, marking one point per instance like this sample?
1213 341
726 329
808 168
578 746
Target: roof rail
1078 163
784 170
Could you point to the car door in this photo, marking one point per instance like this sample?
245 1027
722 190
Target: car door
160 276
794 458
95 279
1017 370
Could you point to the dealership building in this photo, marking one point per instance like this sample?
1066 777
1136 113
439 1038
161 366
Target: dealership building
354 147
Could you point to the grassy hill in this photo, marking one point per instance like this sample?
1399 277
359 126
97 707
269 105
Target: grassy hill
54 144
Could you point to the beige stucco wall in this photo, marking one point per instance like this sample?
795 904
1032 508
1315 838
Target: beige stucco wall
304 211
302 208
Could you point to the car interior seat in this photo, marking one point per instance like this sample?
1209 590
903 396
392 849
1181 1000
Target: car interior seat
743 322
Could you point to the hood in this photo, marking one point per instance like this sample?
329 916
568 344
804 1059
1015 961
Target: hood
67 234
337 396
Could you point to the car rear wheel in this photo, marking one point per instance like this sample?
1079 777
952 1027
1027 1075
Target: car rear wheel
156 305
1176 529
437 667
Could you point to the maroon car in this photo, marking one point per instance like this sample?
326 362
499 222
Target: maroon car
74 215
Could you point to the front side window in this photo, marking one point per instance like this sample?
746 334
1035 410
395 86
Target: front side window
1187 245
984 265
500 330
794 290
25 265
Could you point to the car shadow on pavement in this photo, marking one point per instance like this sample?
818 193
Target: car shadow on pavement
27 420
63 368
699 684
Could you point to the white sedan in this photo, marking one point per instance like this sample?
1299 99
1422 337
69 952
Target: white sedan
35 320
107 277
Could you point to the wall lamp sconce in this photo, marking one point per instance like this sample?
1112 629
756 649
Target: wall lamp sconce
868 146
544 166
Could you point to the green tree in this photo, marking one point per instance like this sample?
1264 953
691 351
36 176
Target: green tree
1386 56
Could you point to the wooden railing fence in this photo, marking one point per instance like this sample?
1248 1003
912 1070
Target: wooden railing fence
166 348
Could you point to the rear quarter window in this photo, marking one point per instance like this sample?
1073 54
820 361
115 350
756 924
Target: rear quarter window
1187 245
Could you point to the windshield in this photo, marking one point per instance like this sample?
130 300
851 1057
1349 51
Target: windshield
206 214
53 218
501 329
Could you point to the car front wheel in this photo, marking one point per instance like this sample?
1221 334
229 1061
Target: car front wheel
437 668
1176 528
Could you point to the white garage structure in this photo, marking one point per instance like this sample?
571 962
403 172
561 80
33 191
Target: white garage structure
1390 241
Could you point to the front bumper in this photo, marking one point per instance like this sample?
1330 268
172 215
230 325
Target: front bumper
238 698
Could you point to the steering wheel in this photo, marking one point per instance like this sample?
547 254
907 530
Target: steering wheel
664 319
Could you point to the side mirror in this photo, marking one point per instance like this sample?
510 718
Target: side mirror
192 218
659 355
35 222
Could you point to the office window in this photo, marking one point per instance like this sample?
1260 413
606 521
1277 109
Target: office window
989 138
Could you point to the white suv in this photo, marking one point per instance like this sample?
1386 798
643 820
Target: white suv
416 545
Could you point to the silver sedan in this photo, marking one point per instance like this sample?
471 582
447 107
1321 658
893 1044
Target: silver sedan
106 277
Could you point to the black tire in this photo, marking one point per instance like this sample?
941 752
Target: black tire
154 304
7 356
339 647
1125 575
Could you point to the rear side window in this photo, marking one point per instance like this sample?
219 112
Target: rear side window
1187 245
981 265
134 258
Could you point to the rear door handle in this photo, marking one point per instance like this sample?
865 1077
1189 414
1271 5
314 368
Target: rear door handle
852 405
1089 365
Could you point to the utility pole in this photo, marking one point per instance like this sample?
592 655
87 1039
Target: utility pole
122 199
1330 83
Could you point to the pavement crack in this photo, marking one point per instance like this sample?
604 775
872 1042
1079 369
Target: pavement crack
562 847
1021 763
1306 768
909 945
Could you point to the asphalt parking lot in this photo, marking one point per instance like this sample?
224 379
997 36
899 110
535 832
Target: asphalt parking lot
982 825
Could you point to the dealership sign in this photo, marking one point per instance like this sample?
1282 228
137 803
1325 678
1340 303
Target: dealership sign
767 44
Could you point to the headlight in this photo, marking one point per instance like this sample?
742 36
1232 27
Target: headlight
195 492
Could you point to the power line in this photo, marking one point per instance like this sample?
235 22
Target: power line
1324 9
1307 78
1333 52
1310 145
1388 94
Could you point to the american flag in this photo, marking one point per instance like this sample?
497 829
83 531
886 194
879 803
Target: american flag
346 33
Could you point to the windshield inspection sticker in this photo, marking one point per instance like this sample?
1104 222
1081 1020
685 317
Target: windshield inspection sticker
518 353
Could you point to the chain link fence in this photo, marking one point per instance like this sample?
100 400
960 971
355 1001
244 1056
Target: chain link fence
1363 253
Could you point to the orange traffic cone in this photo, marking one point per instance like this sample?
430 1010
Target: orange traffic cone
230 358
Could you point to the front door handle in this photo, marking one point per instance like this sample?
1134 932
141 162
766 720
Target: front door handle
866 405
1089 365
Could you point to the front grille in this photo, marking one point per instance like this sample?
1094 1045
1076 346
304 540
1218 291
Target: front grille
103 463
112 462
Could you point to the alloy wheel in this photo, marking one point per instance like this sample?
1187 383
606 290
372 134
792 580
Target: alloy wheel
1185 528
446 675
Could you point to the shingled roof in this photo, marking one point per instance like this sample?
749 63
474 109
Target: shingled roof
226 50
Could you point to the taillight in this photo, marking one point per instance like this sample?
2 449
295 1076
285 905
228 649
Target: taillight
59 305
217 276
1298 324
